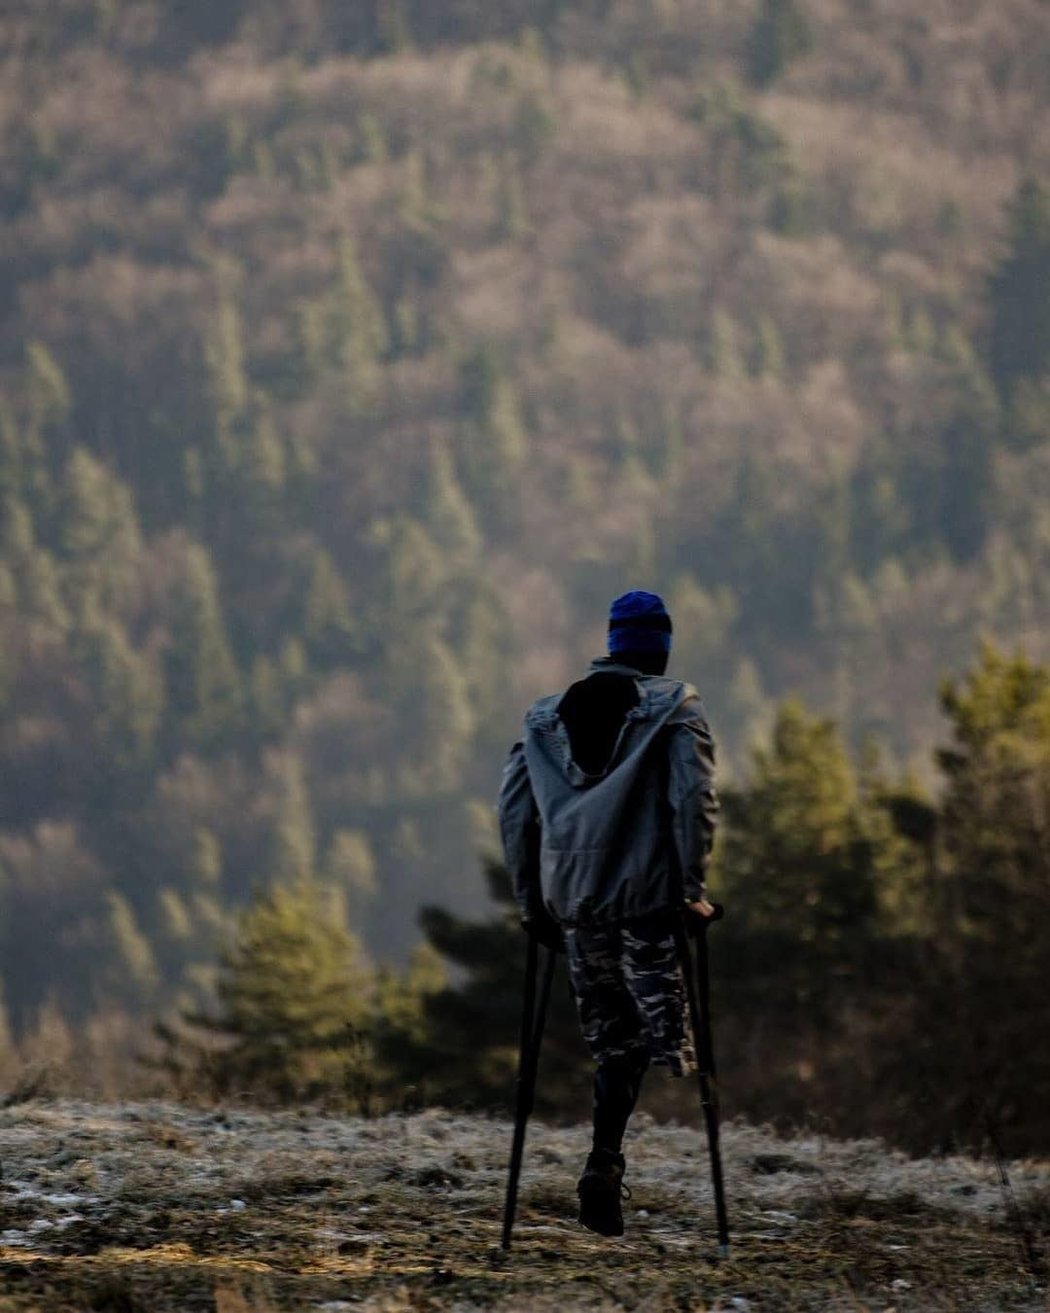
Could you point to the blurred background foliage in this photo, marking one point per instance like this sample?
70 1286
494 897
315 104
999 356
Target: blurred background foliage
353 356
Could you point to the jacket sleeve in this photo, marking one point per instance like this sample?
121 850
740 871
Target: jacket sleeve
692 797
520 831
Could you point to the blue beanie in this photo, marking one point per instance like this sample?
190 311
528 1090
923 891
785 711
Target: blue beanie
638 622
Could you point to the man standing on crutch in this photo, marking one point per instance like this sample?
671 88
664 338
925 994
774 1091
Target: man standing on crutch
607 813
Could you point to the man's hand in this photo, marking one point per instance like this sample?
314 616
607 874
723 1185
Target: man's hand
699 914
703 908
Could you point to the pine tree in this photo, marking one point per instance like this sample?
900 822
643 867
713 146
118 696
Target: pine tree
1019 291
100 536
9 1056
493 438
797 860
350 867
780 35
293 847
131 971
127 695
358 330
981 988
326 624
767 355
449 516
724 357
48 399
202 681
226 362
466 1050
294 999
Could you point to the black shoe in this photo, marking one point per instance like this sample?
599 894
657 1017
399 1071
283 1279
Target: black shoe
599 1189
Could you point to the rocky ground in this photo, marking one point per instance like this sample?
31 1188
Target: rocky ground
152 1207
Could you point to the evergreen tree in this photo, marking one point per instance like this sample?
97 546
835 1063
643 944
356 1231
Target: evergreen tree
467 1050
293 848
131 971
262 471
450 519
9 1057
767 355
127 696
494 439
350 867
48 399
797 859
326 623
1020 291
780 35
225 357
99 533
294 999
359 333
977 1008
31 568
203 690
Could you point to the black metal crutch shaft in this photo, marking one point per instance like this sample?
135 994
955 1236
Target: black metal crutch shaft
533 1016
700 1015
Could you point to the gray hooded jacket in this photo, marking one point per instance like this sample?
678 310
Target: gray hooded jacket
627 842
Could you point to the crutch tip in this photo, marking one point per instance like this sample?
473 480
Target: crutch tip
723 1251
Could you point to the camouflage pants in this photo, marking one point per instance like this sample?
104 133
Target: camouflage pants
630 995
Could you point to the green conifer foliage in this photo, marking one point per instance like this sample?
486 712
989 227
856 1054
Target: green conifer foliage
294 997
47 392
796 860
450 518
31 568
494 438
261 472
127 695
724 357
203 689
266 696
24 472
767 359
9 1056
780 35
416 572
350 866
445 717
225 357
358 332
1020 291
100 537
468 1048
372 145
131 969
327 626
981 988
293 846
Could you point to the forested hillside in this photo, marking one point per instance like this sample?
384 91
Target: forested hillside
353 356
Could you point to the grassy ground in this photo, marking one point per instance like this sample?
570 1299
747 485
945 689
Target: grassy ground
151 1208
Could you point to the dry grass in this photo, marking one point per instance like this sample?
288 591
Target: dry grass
153 1208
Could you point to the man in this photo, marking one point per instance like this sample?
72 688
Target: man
607 814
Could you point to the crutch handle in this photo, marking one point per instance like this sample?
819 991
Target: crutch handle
697 922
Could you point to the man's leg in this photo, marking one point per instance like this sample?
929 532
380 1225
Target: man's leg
617 1084
653 977
612 1029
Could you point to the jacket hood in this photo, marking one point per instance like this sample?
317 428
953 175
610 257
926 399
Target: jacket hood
658 699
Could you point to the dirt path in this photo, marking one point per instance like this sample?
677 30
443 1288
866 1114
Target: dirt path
150 1208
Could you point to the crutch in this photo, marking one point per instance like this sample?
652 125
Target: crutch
698 991
533 1016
